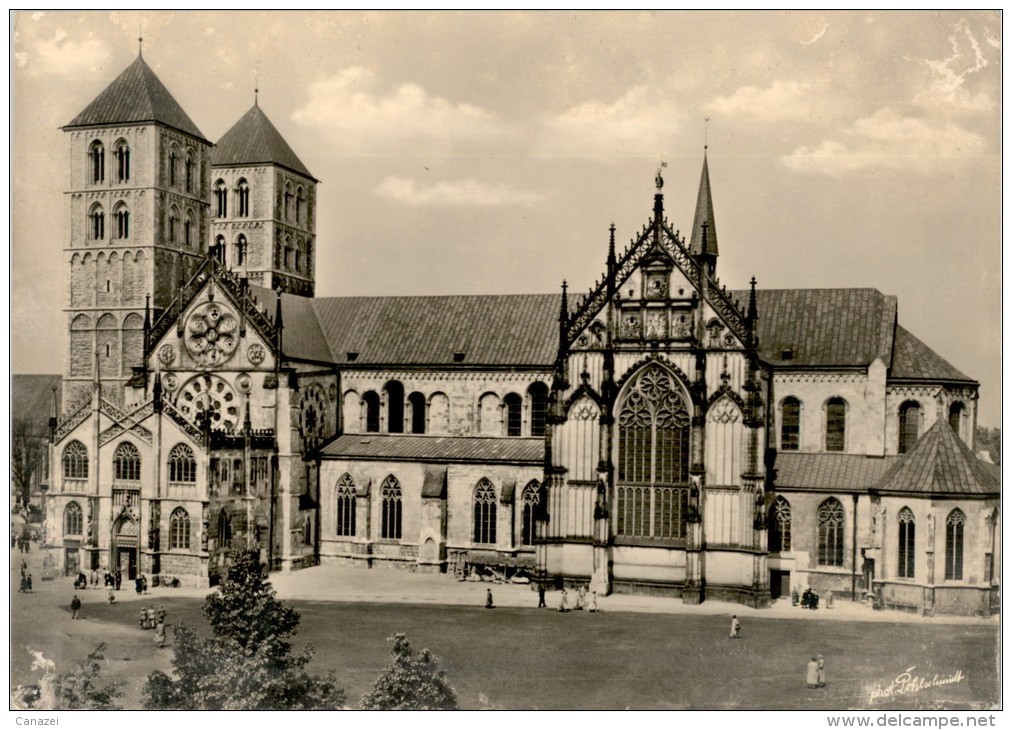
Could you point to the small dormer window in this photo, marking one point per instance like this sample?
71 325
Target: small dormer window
787 354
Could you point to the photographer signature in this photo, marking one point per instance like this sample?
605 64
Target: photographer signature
908 683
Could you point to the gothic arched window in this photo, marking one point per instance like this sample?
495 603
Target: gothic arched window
831 532
289 198
539 408
96 156
530 498
239 250
954 526
188 229
179 529
242 199
905 554
790 424
653 458
96 220
173 225
173 162
190 170
390 495
221 199
513 406
345 502
417 402
836 424
300 206
122 162
73 520
956 416
122 217
75 461
395 406
182 465
127 462
779 526
224 529
910 425
371 402
219 249
484 512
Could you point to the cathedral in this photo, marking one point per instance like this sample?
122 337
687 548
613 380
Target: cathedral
659 434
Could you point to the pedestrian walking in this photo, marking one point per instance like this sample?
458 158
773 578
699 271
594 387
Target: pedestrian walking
24 568
564 602
821 669
592 607
812 675
581 598
23 588
488 599
735 628
829 599
152 619
794 596
160 635
112 596
144 584
119 578
75 607
137 585
28 583
161 614
541 596
143 622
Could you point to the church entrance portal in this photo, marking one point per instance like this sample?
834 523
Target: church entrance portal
124 540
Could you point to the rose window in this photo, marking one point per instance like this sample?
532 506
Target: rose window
209 401
211 334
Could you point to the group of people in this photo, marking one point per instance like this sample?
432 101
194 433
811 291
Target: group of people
24 542
810 599
584 600
26 579
816 674
141 584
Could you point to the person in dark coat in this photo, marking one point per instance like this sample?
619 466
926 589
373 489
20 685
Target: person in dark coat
28 583
75 607
794 596
541 596
488 599
137 585
119 578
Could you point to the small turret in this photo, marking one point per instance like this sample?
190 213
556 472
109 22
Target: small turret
703 244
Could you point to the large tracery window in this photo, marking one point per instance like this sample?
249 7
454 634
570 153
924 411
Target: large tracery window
831 524
73 520
390 494
127 463
530 499
954 545
779 526
484 512
182 465
905 567
75 461
346 506
179 529
653 459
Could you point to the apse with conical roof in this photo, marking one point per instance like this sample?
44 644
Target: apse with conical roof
263 207
138 187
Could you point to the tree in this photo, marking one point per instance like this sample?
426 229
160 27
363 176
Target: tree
989 440
28 450
412 681
73 690
246 664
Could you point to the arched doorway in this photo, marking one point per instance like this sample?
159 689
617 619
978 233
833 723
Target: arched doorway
124 547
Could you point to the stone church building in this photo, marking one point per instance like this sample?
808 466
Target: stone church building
659 434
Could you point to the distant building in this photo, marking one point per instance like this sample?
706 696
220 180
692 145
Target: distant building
658 434
35 401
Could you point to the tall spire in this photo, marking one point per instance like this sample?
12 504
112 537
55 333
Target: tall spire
704 214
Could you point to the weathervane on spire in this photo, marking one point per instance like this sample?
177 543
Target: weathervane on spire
706 133
140 36
256 85
659 181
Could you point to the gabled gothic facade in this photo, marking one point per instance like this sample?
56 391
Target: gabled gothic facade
659 434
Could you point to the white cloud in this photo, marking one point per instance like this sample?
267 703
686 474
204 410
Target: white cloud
458 192
967 58
818 35
641 122
782 101
891 141
59 55
354 110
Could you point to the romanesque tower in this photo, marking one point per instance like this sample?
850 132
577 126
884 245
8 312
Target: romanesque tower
263 207
138 224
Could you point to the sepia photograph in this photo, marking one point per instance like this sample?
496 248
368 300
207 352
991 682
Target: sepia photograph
506 360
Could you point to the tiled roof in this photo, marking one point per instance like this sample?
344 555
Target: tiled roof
824 327
301 338
253 140
456 449
913 360
829 471
136 95
940 463
32 399
497 330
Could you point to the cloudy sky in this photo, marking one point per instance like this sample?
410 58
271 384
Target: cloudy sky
489 152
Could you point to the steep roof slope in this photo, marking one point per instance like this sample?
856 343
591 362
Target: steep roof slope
136 95
940 463
913 360
253 140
